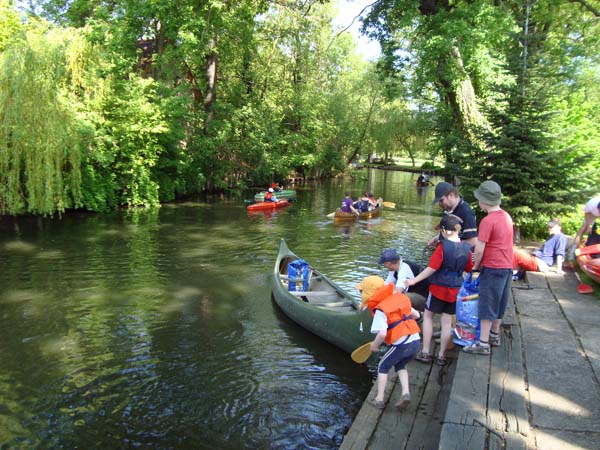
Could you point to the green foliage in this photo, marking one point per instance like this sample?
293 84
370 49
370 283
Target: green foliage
40 148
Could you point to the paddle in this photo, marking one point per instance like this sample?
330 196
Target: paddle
583 288
589 250
390 205
362 353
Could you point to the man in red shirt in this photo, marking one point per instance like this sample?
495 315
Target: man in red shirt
494 257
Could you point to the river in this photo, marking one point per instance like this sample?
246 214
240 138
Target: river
156 329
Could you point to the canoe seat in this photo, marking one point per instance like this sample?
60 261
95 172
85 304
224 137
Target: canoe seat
335 304
312 293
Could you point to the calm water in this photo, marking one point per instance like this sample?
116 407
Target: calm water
156 329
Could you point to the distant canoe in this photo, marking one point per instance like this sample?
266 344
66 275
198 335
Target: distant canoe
266 206
285 194
342 216
324 308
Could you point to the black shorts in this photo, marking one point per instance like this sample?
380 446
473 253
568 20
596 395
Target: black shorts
435 305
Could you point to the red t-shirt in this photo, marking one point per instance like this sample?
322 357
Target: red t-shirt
496 230
444 293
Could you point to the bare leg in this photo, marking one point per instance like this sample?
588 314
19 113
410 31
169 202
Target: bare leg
427 330
445 336
403 377
496 325
486 326
381 384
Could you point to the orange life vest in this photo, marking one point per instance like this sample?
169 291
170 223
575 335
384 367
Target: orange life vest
397 308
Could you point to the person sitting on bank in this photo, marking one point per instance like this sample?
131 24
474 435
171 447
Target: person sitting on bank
551 252
269 196
347 204
394 322
450 259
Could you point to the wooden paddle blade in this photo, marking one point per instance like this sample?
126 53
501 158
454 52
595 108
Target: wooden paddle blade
331 214
391 205
589 250
362 353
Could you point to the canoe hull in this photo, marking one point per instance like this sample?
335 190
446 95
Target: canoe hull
341 216
268 206
287 194
590 266
345 327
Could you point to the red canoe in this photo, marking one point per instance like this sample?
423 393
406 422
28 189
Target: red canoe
265 206
589 265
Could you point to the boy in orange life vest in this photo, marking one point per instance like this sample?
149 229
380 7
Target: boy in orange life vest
446 266
393 322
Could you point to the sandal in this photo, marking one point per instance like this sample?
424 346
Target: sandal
441 361
424 357
377 403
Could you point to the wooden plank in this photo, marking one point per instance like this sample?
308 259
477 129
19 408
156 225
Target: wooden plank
461 437
468 397
367 419
394 426
507 410
426 430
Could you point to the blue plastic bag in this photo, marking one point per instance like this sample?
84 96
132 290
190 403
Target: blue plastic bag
468 327
298 273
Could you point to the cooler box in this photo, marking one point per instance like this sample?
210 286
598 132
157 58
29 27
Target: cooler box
298 273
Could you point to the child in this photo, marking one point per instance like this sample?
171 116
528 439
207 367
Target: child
393 322
553 249
494 254
446 266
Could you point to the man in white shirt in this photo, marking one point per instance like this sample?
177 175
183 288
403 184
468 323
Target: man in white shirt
398 273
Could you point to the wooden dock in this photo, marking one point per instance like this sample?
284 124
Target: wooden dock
540 390
419 425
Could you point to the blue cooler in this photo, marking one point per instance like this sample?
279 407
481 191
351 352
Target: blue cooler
298 271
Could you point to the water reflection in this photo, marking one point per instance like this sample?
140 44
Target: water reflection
155 328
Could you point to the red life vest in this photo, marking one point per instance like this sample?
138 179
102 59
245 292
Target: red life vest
397 308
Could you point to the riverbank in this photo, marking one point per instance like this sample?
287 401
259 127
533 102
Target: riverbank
539 390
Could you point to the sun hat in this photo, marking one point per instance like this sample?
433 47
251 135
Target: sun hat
270 189
441 189
450 221
368 286
389 255
489 192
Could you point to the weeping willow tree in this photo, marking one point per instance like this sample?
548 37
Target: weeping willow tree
39 132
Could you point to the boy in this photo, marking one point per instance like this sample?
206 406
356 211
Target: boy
494 255
553 249
393 322
446 266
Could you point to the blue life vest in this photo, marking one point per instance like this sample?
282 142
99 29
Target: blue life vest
362 205
455 258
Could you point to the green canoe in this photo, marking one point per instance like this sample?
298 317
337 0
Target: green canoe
288 194
324 308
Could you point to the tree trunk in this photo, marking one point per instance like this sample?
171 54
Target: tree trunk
211 84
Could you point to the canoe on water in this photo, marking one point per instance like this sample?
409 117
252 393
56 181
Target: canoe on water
266 206
589 265
287 194
341 216
318 304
